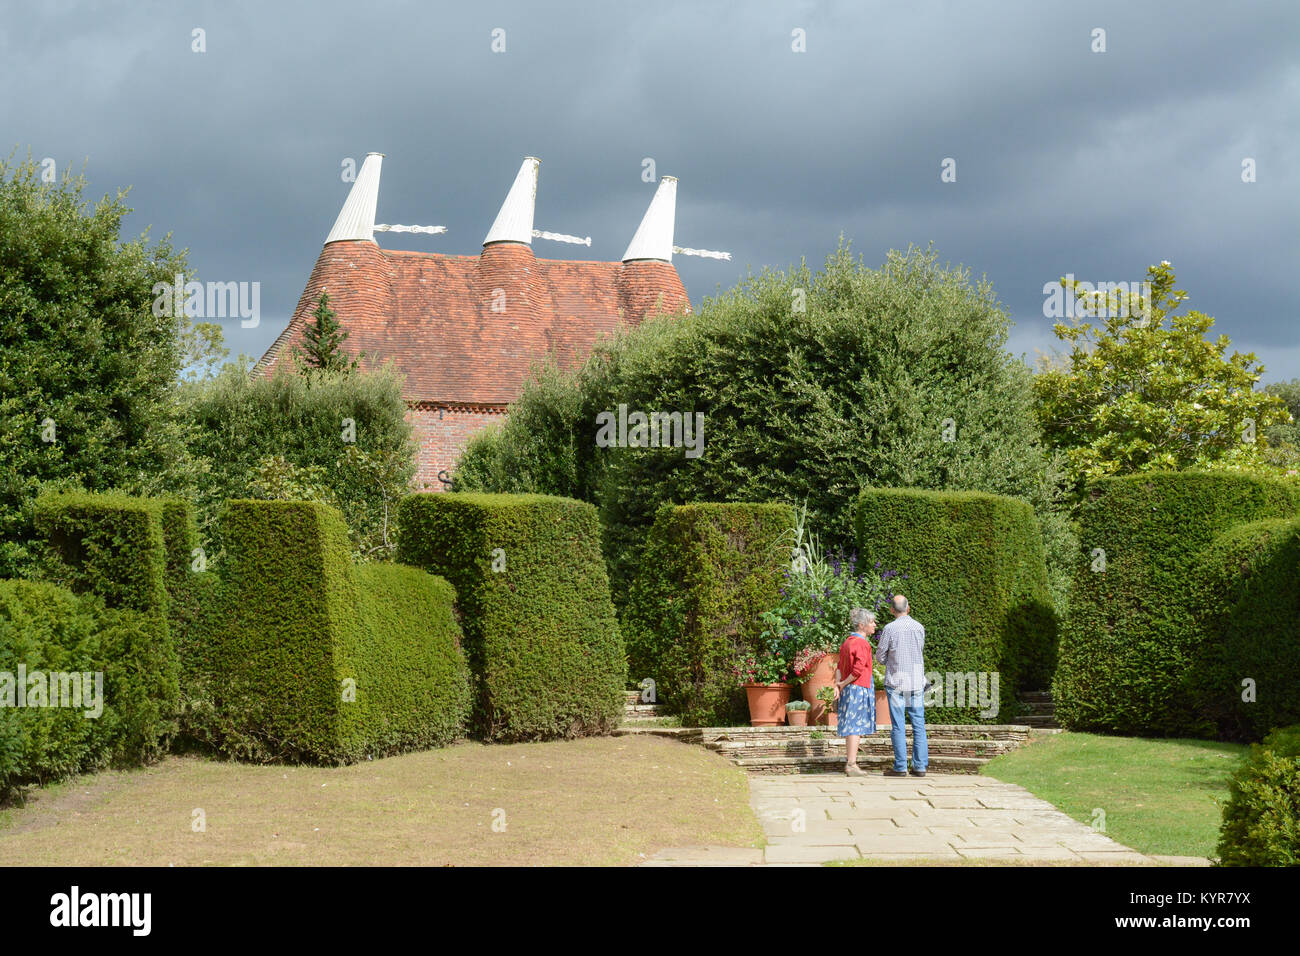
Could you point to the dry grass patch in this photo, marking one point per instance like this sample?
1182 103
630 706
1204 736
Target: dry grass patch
599 801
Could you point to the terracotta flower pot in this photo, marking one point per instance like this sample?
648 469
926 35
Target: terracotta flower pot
822 675
832 720
767 704
797 718
882 708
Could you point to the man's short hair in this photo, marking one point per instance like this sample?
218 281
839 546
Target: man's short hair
900 604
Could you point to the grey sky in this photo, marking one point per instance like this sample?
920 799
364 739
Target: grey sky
1068 161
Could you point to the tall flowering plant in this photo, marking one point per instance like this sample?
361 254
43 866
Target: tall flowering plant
819 591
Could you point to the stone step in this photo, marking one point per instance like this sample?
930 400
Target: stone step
1039 720
988 732
869 747
869 763
1040 696
1040 709
954 748
643 710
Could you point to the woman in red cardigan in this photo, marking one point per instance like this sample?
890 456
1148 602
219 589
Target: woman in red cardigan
854 692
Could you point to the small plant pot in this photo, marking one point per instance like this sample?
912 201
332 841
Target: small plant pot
767 704
796 718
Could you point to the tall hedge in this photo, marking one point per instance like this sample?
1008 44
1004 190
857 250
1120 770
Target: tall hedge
1133 633
976 578
113 546
540 630
47 630
110 544
302 656
1246 676
706 574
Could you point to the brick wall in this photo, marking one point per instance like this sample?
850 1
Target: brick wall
441 434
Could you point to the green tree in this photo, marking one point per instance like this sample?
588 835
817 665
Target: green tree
1147 389
1284 438
811 385
89 360
322 342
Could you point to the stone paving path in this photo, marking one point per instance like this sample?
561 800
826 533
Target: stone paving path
939 818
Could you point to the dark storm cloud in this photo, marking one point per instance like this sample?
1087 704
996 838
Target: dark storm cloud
1067 160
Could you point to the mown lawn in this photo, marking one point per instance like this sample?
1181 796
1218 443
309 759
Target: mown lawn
1159 796
584 802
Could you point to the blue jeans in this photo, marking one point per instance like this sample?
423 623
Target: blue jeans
915 707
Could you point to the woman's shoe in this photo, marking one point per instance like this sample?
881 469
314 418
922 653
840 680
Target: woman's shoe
853 770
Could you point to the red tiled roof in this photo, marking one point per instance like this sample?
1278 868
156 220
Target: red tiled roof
433 314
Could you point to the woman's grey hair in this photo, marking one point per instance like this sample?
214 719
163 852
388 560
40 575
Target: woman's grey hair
860 617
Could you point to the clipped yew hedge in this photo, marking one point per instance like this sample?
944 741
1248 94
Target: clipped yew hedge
301 656
412 678
47 630
976 577
1246 676
103 612
706 574
113 546
108 544
540 631
1138 628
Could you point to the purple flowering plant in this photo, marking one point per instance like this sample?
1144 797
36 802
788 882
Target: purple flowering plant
819 590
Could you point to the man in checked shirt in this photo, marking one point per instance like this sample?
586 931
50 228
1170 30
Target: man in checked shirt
901 645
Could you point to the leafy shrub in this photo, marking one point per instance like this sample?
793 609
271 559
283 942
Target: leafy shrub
973 570
1247 611
1261 821
800 404
299 655
540 631
694 612
46 628
282 437
1132 635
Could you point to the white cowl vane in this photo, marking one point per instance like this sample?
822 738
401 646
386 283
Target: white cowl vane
654 237
514 223
356 221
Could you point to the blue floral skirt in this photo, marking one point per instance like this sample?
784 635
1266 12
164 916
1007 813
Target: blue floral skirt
856 710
